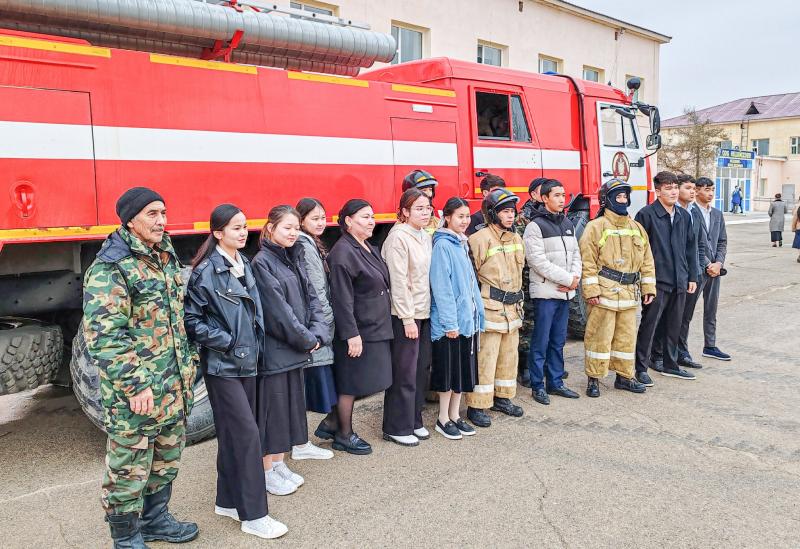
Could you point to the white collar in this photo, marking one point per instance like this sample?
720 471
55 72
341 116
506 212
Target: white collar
237 265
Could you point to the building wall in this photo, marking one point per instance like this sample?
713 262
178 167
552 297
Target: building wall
453 28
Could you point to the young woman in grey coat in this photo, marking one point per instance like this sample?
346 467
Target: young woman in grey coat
777 220
321 393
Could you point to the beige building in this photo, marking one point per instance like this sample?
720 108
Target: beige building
531 35
769 126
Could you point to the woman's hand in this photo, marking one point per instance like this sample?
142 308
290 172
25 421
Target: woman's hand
412 332
452 334
355 346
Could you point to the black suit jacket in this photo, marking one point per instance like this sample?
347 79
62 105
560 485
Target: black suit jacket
673 244
701 237
359 291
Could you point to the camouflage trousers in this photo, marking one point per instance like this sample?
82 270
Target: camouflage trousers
139 465
525 333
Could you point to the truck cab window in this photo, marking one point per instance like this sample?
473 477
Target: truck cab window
501 117
617 131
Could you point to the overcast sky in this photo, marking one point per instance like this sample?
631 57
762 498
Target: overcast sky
720 50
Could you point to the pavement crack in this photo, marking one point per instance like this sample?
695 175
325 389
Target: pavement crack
545 493
47 490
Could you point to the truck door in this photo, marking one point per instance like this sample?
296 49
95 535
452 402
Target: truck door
47 174
622 151
503 142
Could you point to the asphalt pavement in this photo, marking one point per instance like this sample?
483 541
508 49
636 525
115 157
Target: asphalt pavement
708 463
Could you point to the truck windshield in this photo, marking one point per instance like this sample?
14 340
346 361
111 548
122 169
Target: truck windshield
501 117
617 131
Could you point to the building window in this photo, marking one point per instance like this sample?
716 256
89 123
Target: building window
726 144
409 44
310 8
795 148
592 74
762 186
760 147
493 111
489 55
549 64
638 94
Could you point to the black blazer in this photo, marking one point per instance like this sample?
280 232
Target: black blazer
293 318
224 317
359 291
701 237
673 244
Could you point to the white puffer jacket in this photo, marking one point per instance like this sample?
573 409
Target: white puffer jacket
552 253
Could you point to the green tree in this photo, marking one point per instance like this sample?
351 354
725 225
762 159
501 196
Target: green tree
691 148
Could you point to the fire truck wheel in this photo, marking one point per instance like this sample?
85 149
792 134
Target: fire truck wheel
577 307
86 385
30 352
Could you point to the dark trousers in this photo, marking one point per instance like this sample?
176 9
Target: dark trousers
688 313
668 304
546 355
776 236
240 471
411 365
710 302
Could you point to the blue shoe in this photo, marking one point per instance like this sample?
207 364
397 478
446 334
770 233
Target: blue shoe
714 352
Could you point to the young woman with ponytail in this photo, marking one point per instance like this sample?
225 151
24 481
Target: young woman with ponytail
223 315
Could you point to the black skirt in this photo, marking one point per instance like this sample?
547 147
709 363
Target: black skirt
321 393
777 236
365 375
281 412
455 364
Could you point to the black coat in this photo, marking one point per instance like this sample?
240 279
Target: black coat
359 291
701 237
224 318
673 244
293 318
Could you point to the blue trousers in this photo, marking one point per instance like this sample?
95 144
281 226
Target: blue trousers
546 356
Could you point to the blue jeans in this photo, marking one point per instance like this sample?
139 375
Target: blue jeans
546 357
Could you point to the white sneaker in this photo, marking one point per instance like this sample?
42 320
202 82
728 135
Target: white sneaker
265 527
277 485
226 512
422 433
283 470
402 440
309 451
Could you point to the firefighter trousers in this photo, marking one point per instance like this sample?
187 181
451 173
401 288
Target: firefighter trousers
610 342
497 369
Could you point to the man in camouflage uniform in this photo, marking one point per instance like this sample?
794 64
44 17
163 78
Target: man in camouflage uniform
523 218
133 322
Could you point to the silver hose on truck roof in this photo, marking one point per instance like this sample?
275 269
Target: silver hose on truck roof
186 27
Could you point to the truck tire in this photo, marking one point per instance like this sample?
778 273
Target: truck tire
86 386
30 353
578 314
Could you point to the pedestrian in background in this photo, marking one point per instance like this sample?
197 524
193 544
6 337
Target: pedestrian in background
777 220
407 253
135 334
551 250
295 327
736 200
224 317
320 386
457 318
796 229
362 354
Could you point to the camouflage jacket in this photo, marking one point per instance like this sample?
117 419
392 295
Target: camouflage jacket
133 323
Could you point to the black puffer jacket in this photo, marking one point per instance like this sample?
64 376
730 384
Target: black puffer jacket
293 317
224 318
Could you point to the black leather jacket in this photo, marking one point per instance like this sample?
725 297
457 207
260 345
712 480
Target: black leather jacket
225 318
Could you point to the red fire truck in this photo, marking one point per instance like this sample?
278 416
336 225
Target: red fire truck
80 124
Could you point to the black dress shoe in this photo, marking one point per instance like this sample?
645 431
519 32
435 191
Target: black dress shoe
563 391
678 373
629 385
658 364
507 407
479 417
644 379
687 362
324 432
352 444
540 396
593 388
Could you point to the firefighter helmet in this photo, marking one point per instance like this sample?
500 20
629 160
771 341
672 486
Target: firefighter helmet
497 200
616 185
419 179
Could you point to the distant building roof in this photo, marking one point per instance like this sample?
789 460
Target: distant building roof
784 105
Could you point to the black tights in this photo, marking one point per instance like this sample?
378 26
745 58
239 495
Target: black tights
344 409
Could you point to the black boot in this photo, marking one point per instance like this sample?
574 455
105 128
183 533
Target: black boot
629 385
159 525
525 378
593 388
507 407
479 417
125 531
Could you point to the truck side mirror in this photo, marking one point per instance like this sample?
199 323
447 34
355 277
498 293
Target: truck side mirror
653 142
655 120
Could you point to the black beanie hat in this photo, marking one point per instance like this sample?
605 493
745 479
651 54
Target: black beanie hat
133 201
